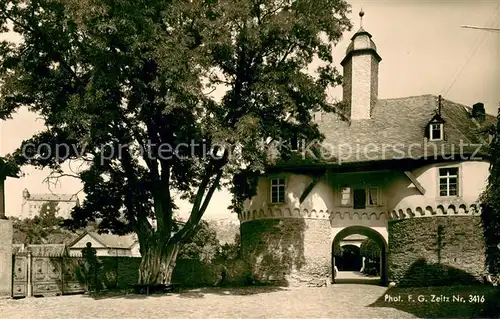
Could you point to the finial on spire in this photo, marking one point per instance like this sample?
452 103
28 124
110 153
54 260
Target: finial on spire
361 14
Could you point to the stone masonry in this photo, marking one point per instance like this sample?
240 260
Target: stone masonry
6 233
436 251
278 250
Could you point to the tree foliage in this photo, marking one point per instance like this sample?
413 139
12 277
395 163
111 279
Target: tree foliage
124 87
203 246
337 249
38 230
8 167
490 204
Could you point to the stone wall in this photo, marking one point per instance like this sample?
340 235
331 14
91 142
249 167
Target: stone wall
193 273
436 251
120 272
292 251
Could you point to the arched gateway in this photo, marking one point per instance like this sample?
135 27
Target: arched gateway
370 233
406 172
296 245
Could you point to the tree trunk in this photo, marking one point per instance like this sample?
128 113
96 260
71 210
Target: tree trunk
158 263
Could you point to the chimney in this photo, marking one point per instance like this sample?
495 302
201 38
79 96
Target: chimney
360 84
478 112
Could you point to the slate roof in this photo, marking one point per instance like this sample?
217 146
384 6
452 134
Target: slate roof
361 31
396 131
53 197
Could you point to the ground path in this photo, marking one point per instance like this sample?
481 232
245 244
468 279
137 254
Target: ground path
339 301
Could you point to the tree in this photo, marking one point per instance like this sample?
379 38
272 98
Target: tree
490 204
39 229
337 249
107 74
203 246
370 249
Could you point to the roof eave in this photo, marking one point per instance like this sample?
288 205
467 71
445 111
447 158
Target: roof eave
369 165
355 52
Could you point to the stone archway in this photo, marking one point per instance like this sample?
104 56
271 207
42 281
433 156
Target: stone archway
369 233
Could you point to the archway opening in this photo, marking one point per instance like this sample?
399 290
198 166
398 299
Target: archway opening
346 260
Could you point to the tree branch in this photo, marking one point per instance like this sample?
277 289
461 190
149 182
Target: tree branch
56 175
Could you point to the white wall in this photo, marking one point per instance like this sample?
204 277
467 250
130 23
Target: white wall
397 194
404 195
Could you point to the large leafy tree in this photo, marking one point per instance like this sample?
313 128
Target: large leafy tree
105 74
490 204
203 246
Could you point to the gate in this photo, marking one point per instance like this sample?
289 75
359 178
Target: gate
44 270
20 274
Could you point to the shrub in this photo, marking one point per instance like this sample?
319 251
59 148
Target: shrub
369 249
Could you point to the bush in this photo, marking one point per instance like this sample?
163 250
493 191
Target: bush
372 268
369 249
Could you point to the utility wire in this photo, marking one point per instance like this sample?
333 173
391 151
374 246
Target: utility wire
477 45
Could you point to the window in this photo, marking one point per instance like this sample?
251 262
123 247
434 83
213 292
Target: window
448 181
277 190
373 196
436 131
345 196
359 199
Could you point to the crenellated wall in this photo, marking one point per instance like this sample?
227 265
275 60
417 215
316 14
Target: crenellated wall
321 217
399 197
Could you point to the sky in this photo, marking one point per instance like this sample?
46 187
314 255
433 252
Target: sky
424 51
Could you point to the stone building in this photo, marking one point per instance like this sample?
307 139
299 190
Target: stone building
33 203
405 172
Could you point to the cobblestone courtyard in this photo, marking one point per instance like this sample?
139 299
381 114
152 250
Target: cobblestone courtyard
340 301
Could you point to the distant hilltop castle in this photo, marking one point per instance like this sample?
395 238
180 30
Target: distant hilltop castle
33 203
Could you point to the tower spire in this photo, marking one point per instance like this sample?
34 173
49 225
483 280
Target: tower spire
361 14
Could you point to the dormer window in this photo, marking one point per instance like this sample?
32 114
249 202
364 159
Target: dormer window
436 131
435 128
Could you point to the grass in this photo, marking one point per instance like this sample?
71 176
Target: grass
444 302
